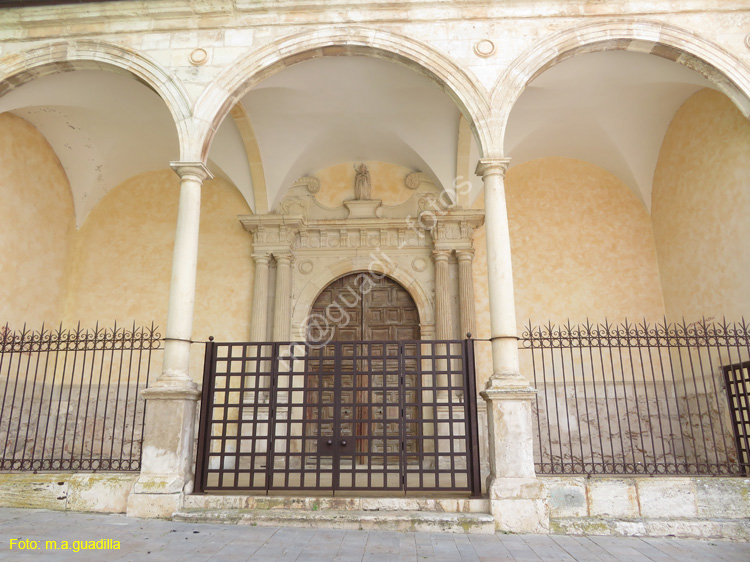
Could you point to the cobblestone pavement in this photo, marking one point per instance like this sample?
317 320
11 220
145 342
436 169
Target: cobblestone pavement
149 540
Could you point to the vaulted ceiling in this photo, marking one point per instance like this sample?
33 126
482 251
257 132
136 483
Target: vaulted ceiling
611 109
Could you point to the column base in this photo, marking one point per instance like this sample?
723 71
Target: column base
519 505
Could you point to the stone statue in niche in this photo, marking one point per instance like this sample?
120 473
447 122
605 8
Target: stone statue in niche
362 183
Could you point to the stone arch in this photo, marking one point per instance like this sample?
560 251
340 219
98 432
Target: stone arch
65 56
729 74
228 89
312 289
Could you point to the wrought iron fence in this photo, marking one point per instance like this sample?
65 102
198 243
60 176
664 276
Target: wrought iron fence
640 398
71 398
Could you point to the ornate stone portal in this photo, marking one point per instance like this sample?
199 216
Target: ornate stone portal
425 244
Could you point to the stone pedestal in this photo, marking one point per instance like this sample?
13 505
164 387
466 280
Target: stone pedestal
363 209
517 497
166 461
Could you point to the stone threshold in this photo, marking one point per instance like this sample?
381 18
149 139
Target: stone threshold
452 515
388 520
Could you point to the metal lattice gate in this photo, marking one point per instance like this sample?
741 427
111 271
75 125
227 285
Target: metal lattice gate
737 380
344 416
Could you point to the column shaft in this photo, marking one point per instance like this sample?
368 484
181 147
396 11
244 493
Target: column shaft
466 292
499 271
282 304
443 319
259 323
179 328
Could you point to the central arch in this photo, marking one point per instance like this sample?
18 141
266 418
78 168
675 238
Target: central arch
229 88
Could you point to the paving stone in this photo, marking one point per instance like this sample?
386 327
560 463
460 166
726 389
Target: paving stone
156 541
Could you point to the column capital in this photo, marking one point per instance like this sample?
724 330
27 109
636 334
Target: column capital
465 254
261 257
197 170
283 258
441 255
492 167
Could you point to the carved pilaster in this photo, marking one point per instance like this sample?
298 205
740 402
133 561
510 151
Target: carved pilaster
258 326
466 291
443 319
282 304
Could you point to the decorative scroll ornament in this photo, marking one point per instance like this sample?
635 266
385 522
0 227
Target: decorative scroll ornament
413 180
295 205
312 184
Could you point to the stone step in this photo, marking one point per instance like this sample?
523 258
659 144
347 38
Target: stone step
339 503
387 520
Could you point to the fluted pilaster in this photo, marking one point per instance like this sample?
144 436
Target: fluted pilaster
282 304
466 292
258 325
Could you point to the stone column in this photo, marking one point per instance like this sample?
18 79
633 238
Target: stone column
443 319
259 324
167 451
466 292
517 497
282 305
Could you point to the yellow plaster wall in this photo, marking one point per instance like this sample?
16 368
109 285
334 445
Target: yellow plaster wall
701 210
38 226
582 243
122 265
582 247
337 183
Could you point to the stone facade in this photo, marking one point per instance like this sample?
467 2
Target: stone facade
202 58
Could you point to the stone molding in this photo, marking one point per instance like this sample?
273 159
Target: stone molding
492 166
395 240
192 170
455 230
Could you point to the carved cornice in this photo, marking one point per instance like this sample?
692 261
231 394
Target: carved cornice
271 232
453 229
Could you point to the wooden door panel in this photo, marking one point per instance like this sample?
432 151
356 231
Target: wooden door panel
384 311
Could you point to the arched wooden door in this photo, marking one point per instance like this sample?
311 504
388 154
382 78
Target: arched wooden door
360 403
364 307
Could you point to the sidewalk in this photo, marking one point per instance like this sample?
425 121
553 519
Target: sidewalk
153 540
